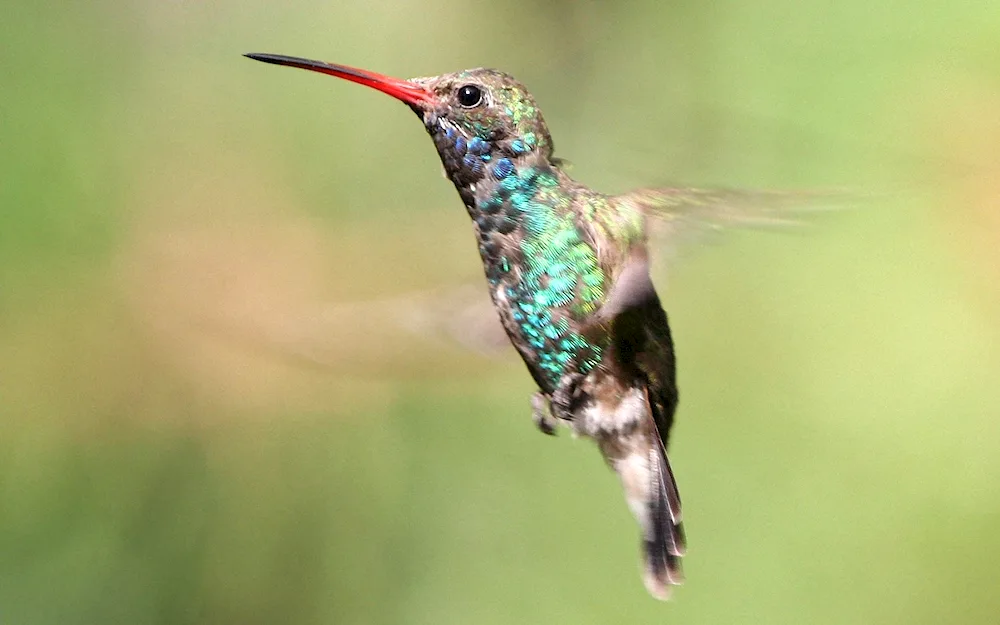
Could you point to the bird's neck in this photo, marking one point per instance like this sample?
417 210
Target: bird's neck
478 166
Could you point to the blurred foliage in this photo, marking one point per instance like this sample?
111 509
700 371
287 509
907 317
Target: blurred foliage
180 226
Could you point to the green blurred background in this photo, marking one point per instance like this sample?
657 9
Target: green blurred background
200 425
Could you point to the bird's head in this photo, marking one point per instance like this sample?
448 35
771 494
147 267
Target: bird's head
484 123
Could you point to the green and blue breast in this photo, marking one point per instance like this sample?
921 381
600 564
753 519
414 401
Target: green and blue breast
560 281
530 246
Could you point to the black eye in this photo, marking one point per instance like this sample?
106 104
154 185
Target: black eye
470 96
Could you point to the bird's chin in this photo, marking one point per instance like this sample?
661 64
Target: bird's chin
435 119
421 112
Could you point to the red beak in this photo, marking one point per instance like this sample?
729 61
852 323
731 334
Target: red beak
404 90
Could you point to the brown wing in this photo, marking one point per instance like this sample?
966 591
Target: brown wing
643 334
644 351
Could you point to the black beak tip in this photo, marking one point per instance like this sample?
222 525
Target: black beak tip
267 58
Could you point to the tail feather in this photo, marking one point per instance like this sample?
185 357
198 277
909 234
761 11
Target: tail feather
663 542
652 496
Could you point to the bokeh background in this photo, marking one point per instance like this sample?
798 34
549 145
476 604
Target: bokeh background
233 384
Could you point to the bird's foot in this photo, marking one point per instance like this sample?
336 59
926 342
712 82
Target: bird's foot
566 397
541 415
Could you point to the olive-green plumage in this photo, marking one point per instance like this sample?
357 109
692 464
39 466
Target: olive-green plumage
568 274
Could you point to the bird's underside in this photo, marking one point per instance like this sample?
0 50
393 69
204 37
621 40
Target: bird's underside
626 406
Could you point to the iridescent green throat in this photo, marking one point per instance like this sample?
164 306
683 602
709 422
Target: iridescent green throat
534 256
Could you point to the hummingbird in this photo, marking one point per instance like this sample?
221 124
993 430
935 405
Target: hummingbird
568 272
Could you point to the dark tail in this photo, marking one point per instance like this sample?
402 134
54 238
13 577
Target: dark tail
652 496
663 542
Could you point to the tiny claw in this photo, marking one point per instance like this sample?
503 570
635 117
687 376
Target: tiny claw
541 416
564 399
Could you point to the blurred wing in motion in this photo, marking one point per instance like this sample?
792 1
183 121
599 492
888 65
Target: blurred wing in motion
389 330
412 331
463 315
678 215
